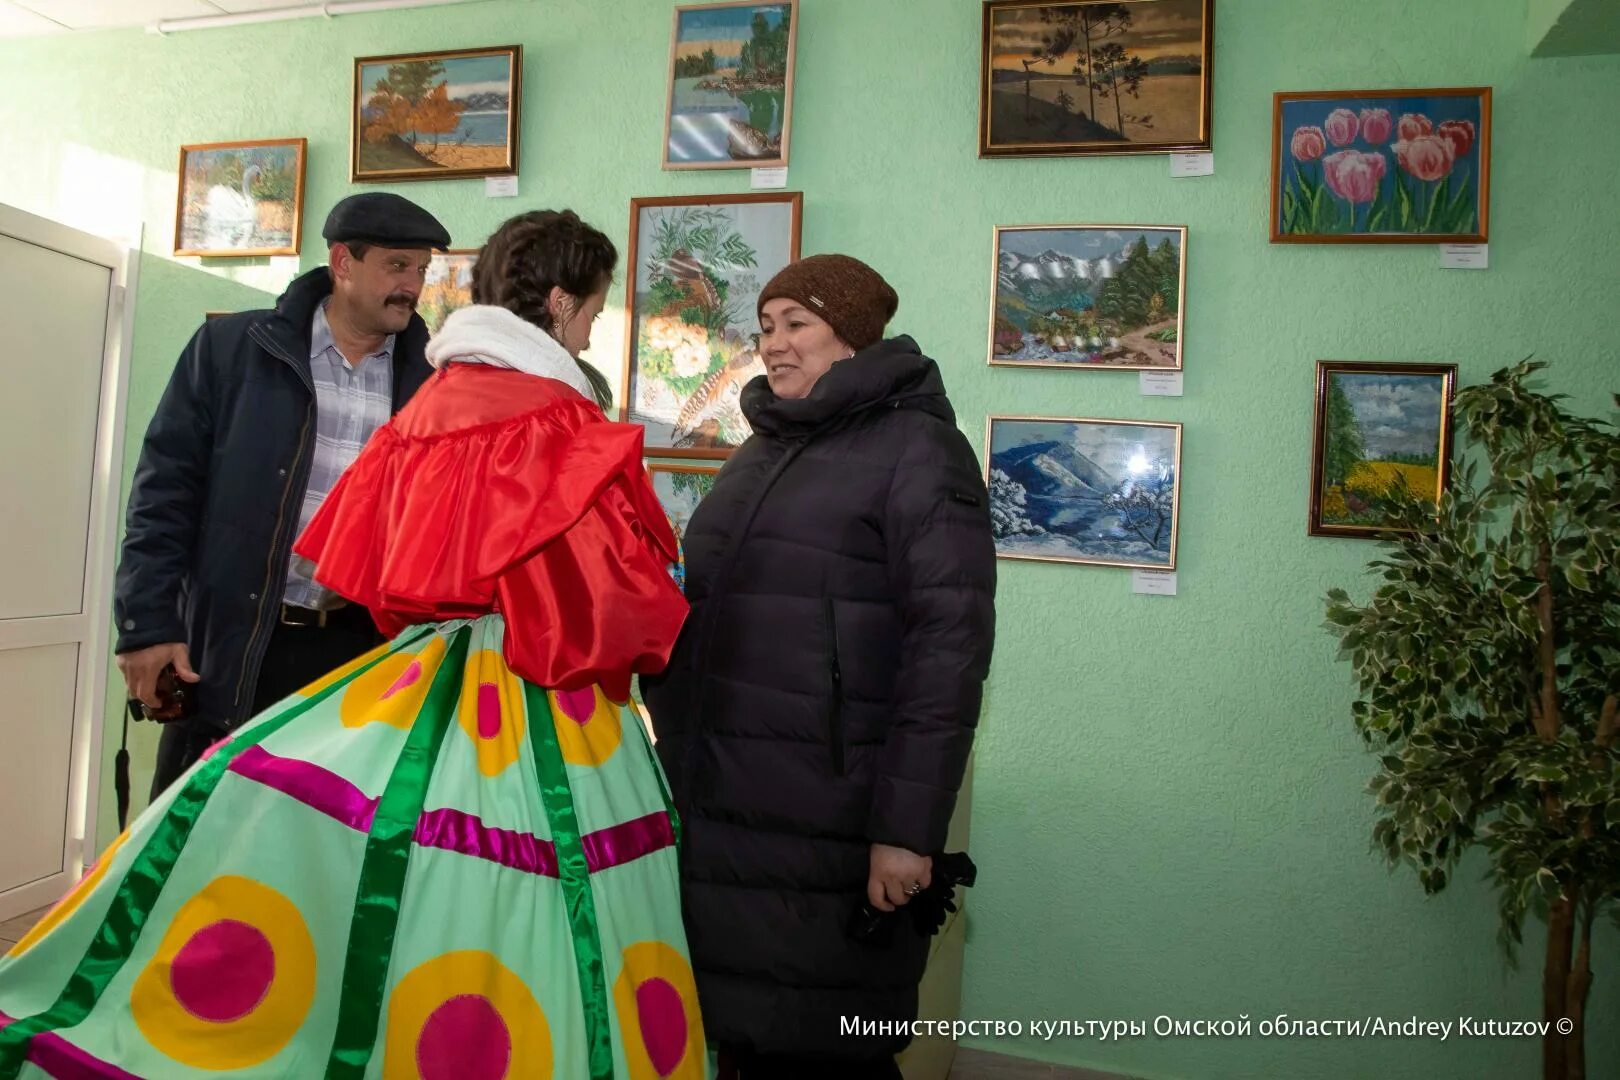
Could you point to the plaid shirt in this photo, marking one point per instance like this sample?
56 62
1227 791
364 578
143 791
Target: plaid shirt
351 402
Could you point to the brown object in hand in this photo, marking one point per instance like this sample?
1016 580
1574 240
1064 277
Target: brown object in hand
175 700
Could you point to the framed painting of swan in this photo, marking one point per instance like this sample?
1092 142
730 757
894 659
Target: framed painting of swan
240 199
730 94
696 265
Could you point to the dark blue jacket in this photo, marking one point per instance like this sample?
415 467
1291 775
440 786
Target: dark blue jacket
213 510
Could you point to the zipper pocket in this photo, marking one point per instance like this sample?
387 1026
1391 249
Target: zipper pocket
835 714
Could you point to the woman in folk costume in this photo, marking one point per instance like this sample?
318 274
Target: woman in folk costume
455 857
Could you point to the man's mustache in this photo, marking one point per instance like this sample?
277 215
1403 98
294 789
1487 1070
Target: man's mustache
401 298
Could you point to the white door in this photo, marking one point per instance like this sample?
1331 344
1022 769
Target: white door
62 343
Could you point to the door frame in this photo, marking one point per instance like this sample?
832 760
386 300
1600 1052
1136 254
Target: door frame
92 626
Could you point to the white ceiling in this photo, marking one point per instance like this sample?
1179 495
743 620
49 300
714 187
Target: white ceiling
22 18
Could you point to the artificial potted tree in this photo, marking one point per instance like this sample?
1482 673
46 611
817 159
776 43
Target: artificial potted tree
1488 670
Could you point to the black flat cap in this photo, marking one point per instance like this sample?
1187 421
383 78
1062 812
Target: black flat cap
384 219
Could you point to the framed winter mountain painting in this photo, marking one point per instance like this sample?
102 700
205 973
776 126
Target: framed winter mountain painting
1092 296
729 103
1076 490
1087 77
697 264
1380 428
240 199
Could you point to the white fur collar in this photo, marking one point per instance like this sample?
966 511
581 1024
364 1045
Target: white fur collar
483 334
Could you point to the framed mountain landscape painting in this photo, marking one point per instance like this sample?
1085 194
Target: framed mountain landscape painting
696 265
1380 428
1381 166
1102 492
1086 77
436 115
730 95
1088 296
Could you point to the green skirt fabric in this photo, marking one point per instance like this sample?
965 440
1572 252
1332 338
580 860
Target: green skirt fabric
419 866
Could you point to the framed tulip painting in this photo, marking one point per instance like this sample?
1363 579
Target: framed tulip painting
1103 492
1381 430
1381 166
1086 77
696 266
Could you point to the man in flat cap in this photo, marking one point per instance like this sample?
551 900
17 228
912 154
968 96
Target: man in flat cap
263 412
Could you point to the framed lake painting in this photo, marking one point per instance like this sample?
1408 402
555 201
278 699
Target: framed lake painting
680 488
1103 492
447 287
730 97
1086 77
436 115
691 344
1380 428
1088 296
240 199
1381 166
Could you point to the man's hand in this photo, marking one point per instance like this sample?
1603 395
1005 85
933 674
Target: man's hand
142 667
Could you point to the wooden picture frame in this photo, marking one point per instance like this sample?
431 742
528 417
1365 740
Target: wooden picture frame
714 120
1413 441
240 199
1089 297
455 131
1091 58
1381 166
697 264
1100 492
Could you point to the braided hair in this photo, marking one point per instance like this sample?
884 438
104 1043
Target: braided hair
534 252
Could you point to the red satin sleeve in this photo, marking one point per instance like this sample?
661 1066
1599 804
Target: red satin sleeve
547 517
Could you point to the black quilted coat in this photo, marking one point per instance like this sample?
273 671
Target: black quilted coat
824 693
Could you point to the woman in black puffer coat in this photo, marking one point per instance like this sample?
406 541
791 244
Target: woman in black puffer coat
816 718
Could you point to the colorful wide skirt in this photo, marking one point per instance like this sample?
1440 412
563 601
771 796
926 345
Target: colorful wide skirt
419 866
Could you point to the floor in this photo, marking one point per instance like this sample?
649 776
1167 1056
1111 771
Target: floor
970 1064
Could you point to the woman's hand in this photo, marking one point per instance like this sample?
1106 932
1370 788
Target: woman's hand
896 876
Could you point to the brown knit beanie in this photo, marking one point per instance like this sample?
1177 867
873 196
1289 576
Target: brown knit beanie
851 296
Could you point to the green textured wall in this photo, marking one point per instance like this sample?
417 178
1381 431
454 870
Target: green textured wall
1169 814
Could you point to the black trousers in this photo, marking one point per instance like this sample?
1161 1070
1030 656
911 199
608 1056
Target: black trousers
295 657
746 1065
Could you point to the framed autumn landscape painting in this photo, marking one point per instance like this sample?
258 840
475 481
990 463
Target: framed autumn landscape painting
436 116
1086 77
1381 166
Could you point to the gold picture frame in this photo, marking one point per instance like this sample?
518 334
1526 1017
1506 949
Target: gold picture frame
1089 297
455 131
241 199
720 115
1087 490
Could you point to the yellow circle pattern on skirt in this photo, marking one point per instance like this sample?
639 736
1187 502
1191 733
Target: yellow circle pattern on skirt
232 980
